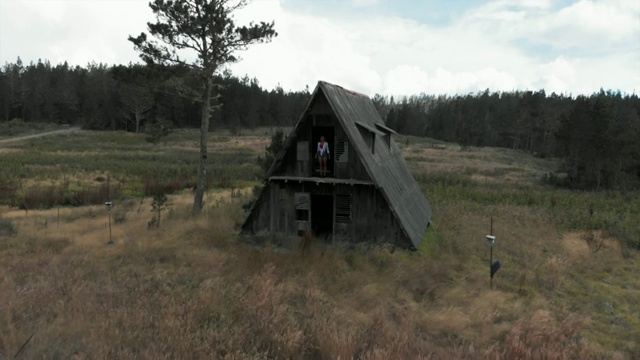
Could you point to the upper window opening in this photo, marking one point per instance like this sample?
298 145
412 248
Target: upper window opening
369 134
387 134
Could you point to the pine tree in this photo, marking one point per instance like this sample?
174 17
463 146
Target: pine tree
207 28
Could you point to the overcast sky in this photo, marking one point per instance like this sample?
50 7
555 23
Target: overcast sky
394 47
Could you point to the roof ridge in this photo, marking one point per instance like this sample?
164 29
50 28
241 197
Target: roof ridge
322 82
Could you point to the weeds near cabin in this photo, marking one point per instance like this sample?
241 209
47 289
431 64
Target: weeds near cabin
306 241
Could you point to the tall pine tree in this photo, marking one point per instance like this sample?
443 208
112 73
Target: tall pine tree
206 28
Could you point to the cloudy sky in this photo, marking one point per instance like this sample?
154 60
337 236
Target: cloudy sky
394 47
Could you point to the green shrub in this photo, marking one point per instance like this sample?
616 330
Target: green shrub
272 151
159 204
158 130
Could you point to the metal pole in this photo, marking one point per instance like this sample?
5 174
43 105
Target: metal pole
491 256
490 263
109 224
110 205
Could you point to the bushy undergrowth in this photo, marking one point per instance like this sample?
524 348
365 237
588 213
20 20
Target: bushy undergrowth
61 170
45 197
612 212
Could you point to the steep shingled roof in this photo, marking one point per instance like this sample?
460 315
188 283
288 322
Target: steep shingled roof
386 166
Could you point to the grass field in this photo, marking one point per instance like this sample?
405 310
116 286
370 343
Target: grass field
190 289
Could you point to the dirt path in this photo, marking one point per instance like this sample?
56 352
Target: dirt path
34 136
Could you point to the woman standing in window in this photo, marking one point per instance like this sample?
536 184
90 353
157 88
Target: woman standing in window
322 154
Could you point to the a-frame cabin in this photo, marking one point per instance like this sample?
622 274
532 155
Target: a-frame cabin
368 194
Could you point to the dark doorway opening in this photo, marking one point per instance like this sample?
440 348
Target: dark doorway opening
322 216
329 137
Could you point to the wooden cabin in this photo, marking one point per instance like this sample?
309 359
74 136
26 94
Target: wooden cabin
368 194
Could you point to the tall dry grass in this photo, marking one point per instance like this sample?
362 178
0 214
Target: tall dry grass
190 290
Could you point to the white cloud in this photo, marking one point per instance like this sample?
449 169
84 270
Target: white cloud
580 26
74 31
406 79
557 76
481 50
589 26
536 4
306 50
364 3
501 45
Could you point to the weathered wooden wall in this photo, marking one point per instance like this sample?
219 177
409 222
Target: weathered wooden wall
371 219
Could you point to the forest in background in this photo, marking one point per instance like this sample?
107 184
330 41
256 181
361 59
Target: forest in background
132 97
595 135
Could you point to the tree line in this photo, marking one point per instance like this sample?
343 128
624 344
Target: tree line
595 135
136 97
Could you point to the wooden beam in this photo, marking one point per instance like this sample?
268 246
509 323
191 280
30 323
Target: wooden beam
319 180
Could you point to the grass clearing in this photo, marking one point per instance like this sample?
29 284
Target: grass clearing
568 287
